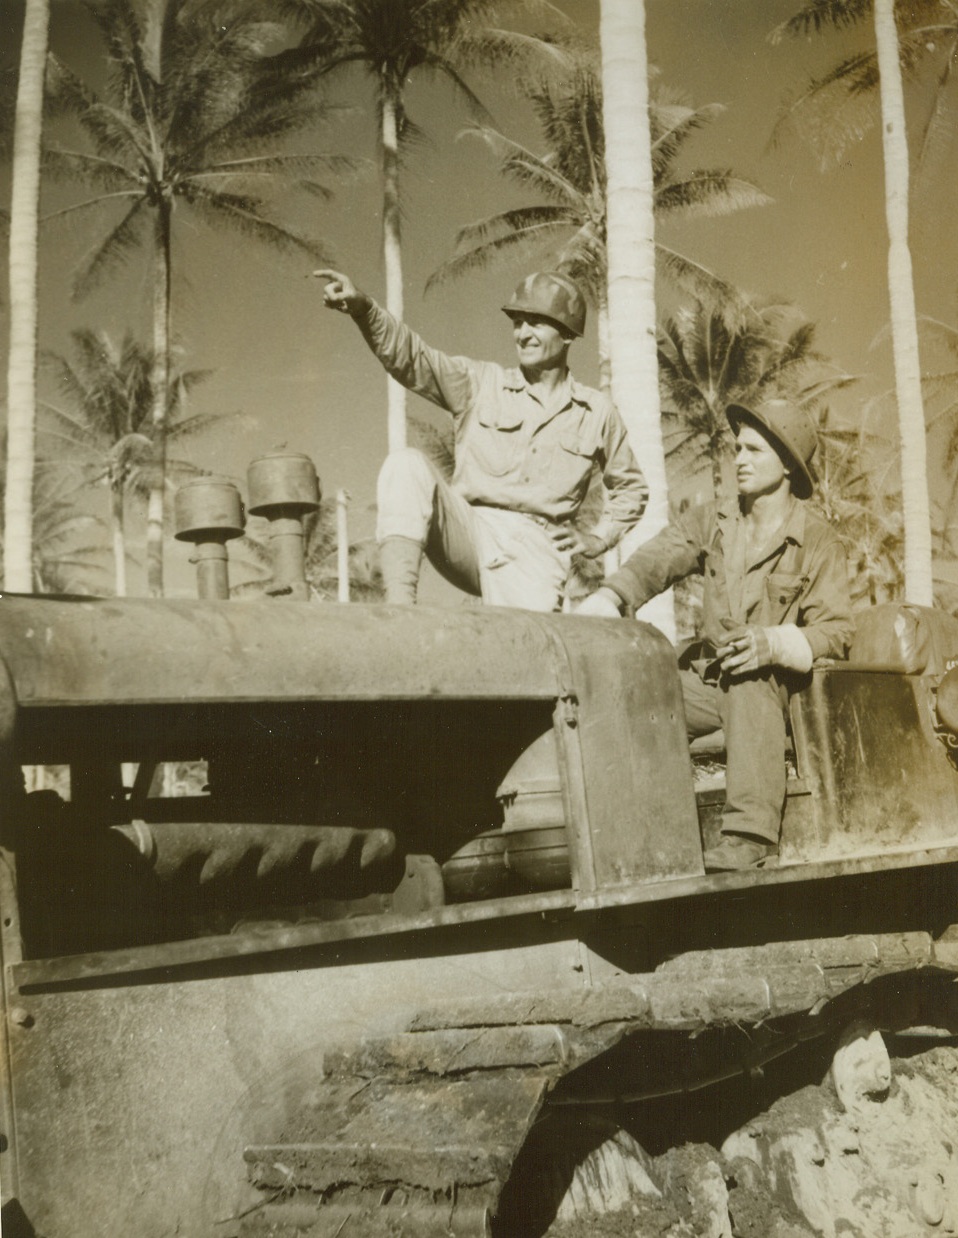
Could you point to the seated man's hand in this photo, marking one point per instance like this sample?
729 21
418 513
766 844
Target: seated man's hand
340 293
746 649
603 603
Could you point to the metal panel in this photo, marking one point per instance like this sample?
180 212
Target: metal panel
881 781
116 651
135 1102
628 771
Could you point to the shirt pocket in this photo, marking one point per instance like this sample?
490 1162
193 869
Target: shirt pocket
493 442
572 463
783 591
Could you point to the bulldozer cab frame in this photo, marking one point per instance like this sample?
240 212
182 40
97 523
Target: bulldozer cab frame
312 882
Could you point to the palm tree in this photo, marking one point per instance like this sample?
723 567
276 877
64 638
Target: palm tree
393 40
570 177
630 247
107 426
705 364
193 116
22 359
920 34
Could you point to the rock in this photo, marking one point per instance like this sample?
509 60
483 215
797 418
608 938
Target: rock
608 1178
692 1177
860 1070
876 1158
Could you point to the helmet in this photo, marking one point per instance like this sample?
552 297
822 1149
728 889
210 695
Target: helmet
789 429
551 295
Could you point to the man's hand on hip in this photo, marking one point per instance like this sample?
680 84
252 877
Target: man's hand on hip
571 540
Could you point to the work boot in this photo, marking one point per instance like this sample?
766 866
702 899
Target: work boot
738 851
400 559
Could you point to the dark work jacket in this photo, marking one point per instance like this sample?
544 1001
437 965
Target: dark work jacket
800 577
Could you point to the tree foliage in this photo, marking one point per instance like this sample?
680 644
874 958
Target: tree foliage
102 430
841 105
193 116
569 179
706 364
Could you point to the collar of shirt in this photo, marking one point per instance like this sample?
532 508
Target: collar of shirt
792 528
514 380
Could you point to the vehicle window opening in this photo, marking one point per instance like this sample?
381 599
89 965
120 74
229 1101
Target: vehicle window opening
177 821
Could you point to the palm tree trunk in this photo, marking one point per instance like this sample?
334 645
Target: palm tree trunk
631 256
718 481
392 255
22 360
602 324
161 398
611 559
342 546
904 328
119 539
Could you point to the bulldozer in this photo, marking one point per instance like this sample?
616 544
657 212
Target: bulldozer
433 889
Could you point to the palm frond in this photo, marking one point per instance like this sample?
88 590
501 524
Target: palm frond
708 193
529 233
817 15
91 170
835 110
243 213
699 281
111 252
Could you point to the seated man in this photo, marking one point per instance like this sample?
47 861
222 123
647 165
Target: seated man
527 440
776 598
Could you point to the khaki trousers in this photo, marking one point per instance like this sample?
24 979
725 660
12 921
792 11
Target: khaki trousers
507 558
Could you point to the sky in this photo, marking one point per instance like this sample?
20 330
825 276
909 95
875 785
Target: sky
303 377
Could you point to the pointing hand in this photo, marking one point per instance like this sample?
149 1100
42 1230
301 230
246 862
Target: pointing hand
340 293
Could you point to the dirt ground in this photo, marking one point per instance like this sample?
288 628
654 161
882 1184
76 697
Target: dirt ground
870 1152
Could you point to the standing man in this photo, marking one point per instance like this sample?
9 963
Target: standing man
527 440
776 598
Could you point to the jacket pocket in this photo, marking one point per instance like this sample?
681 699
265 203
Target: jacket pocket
783 591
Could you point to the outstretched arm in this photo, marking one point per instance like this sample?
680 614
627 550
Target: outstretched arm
444 380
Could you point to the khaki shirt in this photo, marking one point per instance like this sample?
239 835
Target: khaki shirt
511 452
799 577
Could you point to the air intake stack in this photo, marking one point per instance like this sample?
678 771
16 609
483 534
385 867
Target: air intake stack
209 512
284 488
